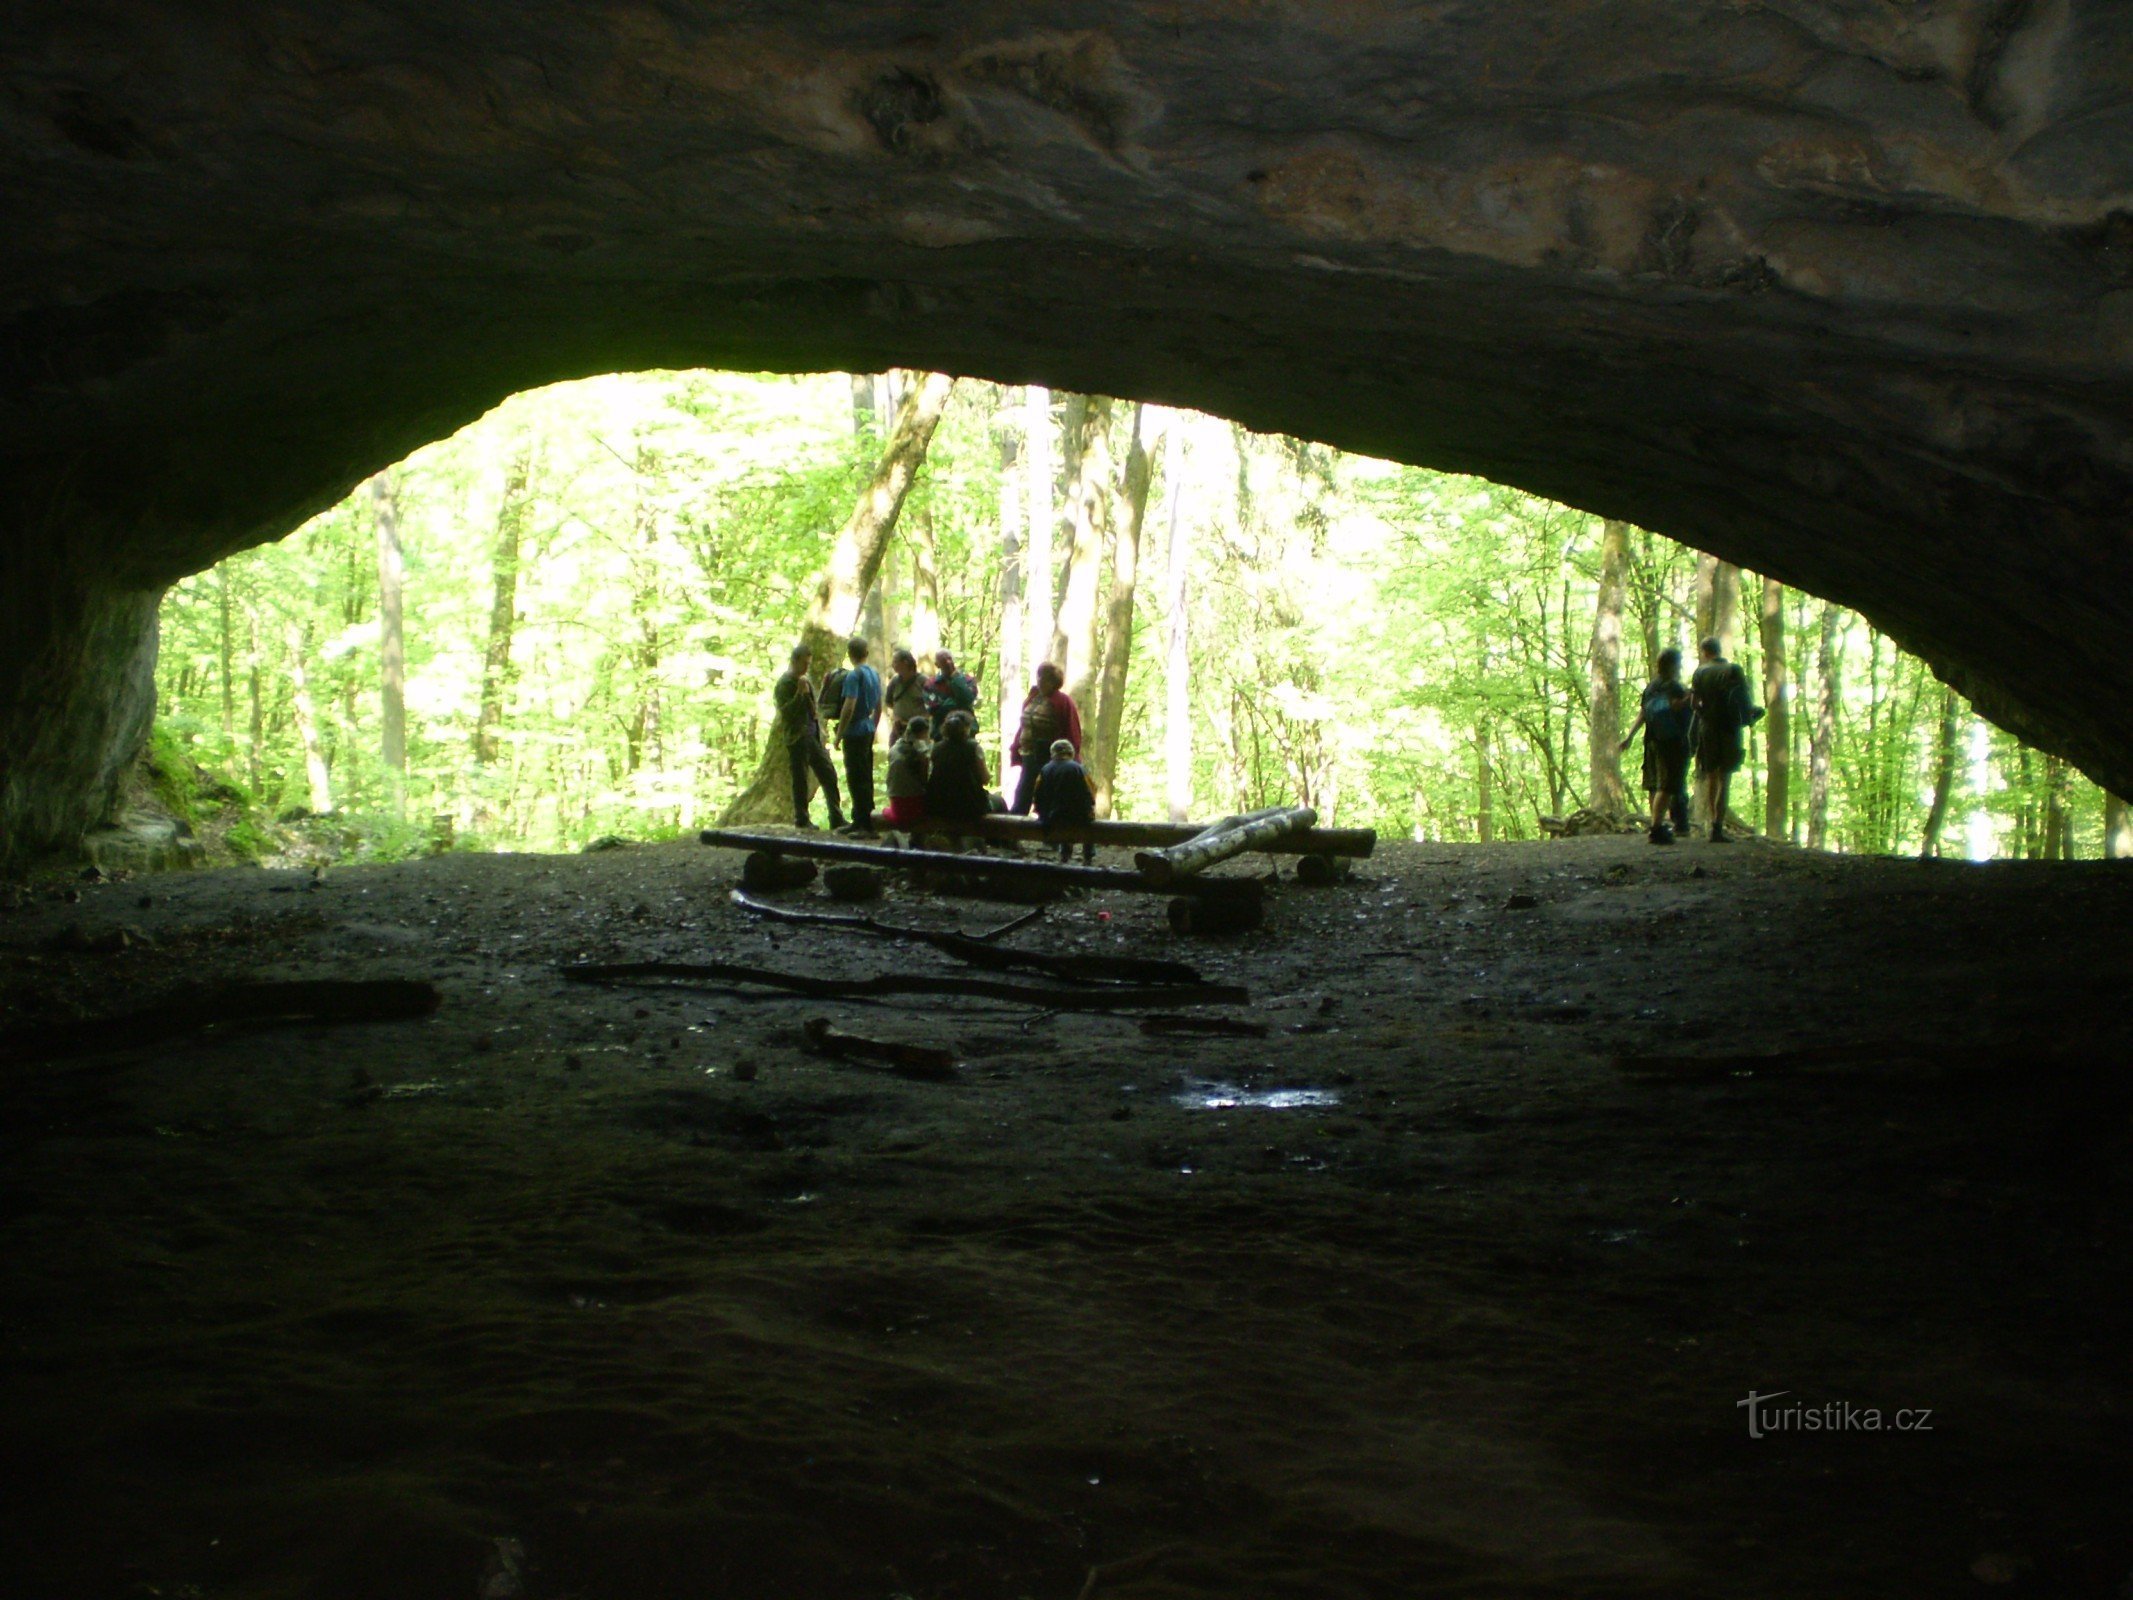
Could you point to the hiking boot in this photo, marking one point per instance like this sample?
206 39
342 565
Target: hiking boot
1720 836
1661 834
809 824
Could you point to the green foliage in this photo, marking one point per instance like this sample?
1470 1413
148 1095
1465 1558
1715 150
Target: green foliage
1399 647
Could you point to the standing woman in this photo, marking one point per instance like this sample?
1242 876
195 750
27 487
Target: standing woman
1048 713
1663 714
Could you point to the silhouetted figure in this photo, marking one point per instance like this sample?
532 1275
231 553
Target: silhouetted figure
798 722
1065 798
958 787
1719 694
857 720
1663 714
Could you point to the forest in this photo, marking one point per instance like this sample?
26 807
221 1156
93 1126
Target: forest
562 624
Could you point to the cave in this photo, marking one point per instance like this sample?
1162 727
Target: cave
593 1293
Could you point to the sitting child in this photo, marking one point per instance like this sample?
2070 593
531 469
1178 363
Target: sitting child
1065 797
909 766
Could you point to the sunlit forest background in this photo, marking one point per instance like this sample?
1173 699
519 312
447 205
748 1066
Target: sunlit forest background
564 621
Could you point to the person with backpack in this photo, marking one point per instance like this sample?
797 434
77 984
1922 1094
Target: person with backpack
1663 714
857 718
904 695
800 725
949 691
1718 694
910 763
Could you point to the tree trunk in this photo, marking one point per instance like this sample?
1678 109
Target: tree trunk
1177 661
1013 551
2058 817
505 554
1604 739
923 634
1037 556
854 562
1944 753
1777 716
2117 829
392 642
1118 623
1075 644
1821 744
1484 789
229 651
318 783
1717 602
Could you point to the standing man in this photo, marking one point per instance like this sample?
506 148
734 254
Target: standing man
905 695
1719 694
1663 714
1048 713
949 691
794 697
856 722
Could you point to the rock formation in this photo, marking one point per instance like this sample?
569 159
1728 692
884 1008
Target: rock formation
1839 289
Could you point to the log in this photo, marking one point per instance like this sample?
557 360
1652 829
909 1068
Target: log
850 884
1216 914
988 868
1168 1023
768 874
1319 871
926 1063
984 953
1051 997
1229 837
1353 842
312 1000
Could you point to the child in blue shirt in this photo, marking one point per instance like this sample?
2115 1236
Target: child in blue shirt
1065 797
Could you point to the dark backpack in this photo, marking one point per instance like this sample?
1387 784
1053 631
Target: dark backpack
1663 720
829 699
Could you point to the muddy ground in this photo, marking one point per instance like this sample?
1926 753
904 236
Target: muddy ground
328 1312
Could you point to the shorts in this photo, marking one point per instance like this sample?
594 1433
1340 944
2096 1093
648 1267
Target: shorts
1667 772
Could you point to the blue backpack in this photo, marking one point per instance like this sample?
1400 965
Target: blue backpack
1663 721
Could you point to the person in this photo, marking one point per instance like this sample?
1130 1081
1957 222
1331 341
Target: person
910 761
957 787
857 720
801 727
949 690
1048 713
905 695
1663 714
1718 694
1066 798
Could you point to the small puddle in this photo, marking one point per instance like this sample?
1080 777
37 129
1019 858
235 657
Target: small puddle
1202 1096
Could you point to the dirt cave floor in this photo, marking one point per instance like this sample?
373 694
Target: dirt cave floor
594 1292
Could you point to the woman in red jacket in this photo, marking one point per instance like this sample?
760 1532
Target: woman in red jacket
1048 713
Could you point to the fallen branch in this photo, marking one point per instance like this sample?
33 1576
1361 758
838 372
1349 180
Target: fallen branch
1225 1027
982 953
1177 864
924 1062
248 1005
1142 835
1052 997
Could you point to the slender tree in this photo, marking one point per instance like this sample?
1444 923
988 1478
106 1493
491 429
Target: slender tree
1604 725
505 551
318 782
854 562
1118 620
1013 580
1821 744
392 641
1076 636
1944 754
1037 552
1177 657
2117 829
1777 716
226 638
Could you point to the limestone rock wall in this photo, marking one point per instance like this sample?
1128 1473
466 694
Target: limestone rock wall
1841 289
